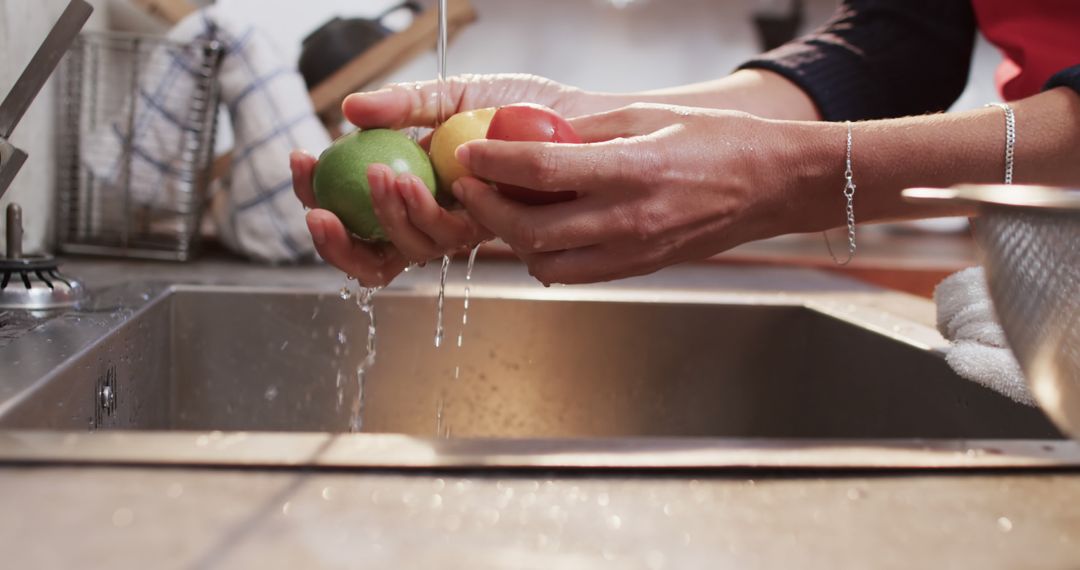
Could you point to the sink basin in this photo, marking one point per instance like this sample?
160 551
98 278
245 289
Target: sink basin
229 359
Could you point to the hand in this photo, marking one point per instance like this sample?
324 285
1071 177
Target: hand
417 226
416 104
657 185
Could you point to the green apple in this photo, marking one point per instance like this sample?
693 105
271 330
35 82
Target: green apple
341 184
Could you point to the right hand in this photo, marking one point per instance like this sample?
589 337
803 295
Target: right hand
419 229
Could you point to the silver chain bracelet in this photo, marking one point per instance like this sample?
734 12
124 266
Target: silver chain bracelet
1010 138
849 194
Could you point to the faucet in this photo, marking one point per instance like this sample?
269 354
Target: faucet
33 282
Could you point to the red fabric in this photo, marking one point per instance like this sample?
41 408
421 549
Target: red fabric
1037 37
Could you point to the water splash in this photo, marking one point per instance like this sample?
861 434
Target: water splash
465 307
364 300
442 430
440 301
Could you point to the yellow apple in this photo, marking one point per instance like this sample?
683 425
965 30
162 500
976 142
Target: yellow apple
454 132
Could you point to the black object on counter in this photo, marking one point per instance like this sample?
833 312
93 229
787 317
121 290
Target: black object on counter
338 41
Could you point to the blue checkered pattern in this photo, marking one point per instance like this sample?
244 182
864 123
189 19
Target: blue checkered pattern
270 114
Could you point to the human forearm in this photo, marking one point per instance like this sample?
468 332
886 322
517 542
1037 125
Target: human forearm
933 150
755 91
663 184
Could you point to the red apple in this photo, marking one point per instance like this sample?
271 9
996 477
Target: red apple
532 123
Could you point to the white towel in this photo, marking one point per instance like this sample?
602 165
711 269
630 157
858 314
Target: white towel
270 114
979 351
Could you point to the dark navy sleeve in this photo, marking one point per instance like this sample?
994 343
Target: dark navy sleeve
881 58
1068 77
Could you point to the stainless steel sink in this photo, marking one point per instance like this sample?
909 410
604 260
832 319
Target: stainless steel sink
212 358
594 373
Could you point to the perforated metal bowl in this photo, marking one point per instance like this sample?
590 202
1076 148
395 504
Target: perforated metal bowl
1029 238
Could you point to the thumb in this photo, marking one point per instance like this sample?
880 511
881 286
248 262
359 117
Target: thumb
393 107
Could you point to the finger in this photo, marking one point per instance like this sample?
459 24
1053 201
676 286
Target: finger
374 265
388 200
404 104
531 229
552 166
625 122
392 107
302 165
449 230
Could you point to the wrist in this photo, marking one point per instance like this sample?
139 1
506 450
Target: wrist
809 165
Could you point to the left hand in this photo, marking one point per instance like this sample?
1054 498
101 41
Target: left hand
419 227
657 185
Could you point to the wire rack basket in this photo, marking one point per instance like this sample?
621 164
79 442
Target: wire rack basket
136 127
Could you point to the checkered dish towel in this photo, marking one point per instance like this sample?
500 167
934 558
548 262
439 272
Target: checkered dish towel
270 114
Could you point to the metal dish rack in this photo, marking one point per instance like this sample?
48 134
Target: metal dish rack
108 203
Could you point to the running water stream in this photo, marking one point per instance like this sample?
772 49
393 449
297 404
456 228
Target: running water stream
441 430
365 301
465 307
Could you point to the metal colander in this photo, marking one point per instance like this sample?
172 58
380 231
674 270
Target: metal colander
1029 238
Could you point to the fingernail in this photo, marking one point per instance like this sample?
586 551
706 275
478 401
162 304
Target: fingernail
458 190
407 191
462 155
378 190
318 234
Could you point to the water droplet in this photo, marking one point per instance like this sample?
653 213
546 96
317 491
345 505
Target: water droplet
327 493
440 425
365 301
174 491
615 522
440 301
1004 524
271 393
855 494
285 508
284 345
344 293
